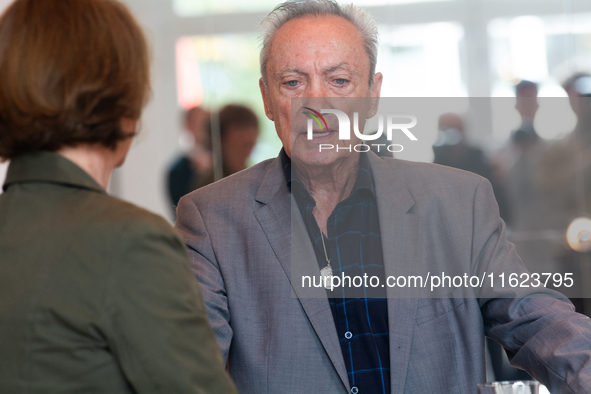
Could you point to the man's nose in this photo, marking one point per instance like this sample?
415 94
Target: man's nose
316 88
315 102
316 96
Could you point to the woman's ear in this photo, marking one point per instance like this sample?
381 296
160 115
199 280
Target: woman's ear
128 125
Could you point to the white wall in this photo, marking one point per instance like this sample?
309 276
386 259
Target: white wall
141 179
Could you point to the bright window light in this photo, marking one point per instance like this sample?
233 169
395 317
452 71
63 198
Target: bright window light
421 60
528 48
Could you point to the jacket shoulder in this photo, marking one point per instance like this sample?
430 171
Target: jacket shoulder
121 222
420 174
435 190
237 188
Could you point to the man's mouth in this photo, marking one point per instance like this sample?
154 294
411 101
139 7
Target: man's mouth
321 134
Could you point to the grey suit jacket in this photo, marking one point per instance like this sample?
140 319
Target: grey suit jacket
238 234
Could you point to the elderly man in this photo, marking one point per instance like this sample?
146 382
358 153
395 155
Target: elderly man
241 244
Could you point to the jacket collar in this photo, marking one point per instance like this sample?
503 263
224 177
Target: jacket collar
401 242
391 189
48 167
364 178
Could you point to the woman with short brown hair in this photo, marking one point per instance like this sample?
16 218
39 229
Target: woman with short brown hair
68 80
96 295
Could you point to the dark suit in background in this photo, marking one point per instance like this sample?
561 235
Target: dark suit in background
181 179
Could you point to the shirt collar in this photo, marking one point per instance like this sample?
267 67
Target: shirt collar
286 165
48 167
364 179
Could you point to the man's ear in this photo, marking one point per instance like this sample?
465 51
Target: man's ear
375 95
266 101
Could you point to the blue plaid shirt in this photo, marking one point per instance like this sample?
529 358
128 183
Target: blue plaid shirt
354 247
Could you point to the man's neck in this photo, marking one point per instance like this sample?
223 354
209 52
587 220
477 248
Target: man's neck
329 185
527 123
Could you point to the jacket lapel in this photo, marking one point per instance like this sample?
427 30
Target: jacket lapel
283 226
401 241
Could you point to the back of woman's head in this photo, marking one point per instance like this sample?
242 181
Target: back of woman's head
70 70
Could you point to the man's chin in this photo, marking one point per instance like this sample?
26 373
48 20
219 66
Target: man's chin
320 156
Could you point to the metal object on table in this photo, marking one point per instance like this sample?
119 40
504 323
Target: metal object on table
514 387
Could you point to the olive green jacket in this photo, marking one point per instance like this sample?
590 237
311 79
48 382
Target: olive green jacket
96 295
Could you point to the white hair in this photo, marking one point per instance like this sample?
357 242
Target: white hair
293 9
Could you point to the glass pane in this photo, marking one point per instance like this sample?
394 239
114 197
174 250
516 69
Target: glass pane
209 73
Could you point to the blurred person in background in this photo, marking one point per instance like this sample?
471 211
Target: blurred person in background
564 178
96 295
452 149
187 172
578 88
564 174
514 166
526 103
239 132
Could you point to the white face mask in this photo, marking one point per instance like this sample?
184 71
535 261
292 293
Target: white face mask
447 137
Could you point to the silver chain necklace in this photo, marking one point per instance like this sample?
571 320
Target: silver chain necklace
326 272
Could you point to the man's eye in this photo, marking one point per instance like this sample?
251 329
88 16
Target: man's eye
340 81
292 83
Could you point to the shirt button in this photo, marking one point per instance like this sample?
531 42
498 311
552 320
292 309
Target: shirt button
354 390
349 335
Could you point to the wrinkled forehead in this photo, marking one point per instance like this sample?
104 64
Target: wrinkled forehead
325 40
